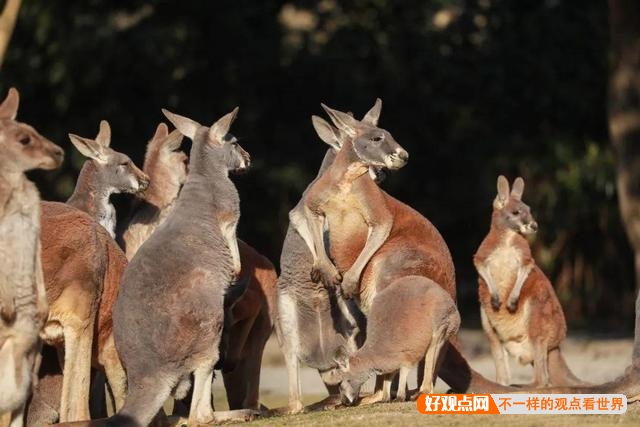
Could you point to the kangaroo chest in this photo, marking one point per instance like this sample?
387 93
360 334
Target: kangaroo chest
503 264
346 228
19 234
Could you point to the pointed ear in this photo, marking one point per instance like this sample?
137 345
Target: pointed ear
173 140
343 121
326 132
186 126
88 147
9 107
161 132
518 188
104 134
503 193
373 114
219 129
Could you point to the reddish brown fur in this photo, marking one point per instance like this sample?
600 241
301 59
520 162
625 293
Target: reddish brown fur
82 269
527 324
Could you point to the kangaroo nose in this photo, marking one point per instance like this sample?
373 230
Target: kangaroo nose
534 226
144 182
58 152
403 155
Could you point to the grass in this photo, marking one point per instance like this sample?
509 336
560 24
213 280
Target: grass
406 414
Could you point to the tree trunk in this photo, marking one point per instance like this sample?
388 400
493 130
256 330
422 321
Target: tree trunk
7 23
624 126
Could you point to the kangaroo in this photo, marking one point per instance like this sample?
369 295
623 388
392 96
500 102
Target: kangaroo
166 166
520 312
23 302
105 173
82 267
180 275
315 324
410 303
253 313
346 195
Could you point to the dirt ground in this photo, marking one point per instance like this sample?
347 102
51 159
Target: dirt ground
594 359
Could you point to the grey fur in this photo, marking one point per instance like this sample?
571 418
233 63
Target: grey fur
169 313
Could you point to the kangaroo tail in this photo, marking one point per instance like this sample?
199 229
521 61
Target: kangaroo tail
559 372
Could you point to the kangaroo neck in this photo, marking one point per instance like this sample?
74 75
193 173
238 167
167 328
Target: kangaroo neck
347 166
203 195
90 195
501 232
161 192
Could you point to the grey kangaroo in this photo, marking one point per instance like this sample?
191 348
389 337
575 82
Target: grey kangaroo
23 299
105 173
168 316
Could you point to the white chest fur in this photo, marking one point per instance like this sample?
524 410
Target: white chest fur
503 264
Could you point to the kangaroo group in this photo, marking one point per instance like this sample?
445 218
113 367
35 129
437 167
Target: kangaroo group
102 314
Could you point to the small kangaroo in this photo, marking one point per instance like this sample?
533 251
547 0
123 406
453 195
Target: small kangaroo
169 313
105 173
166 166
520 312
411 303
23 299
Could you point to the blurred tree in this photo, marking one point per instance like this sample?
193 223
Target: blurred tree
7 23
624 125
471 88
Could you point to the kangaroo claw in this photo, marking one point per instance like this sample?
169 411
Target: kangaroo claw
495 302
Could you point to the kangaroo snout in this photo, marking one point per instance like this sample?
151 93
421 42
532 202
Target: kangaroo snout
56 157
397 159
143 181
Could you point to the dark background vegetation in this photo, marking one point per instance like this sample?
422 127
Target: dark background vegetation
471 89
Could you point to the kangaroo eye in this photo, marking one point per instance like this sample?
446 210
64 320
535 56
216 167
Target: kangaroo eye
377 138
516 212
25 140
124 164
234 144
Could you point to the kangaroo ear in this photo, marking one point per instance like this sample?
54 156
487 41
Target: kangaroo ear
343 121
161 132
503 193
220 128
89 148
173 141
186 126
373 114
518 188
104 134
9 107
326 132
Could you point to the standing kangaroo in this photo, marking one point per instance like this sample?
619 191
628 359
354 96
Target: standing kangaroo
105 173
410 303
520 312
252 314
169 313
166 167
371 230
23 302
315 324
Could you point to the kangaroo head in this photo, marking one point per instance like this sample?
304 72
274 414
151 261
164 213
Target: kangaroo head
335 138
373 146
115 171
212 145
510 211
164 162
23 148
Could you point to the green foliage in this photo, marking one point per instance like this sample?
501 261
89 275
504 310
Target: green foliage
471 89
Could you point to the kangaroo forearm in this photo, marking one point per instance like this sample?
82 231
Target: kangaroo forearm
377 236
521 277
483 272
316 225
299 223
